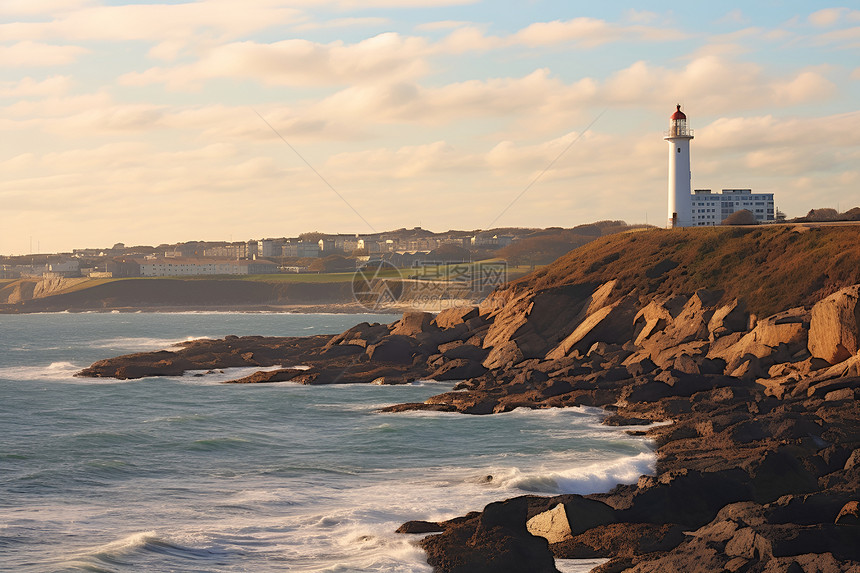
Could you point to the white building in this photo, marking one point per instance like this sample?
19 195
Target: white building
680 176
713 208
177 267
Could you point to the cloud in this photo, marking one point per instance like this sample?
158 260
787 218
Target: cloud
47 7
716 84
740 133
295 62
36 54
343 23
591 32
735 16
640 16
442 25
846 38
29 87
154 22
831 16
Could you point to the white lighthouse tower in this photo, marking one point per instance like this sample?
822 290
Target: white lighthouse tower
680 202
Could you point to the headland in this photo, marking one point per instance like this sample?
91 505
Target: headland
745 342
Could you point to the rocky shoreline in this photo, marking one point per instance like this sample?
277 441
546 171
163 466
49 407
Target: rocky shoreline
758 471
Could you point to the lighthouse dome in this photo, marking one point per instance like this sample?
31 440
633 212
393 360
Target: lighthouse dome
679 114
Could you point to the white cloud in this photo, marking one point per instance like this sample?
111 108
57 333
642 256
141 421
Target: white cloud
715 84
640 16
29 87
442 25
296 62
735 16
831 16
47 7
591 32
36 54
219 18
343 23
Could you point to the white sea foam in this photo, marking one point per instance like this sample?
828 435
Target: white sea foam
124 546
592 478
53 371
140 344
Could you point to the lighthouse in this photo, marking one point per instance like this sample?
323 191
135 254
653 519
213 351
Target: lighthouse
680 202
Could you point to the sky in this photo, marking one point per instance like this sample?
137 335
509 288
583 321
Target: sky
161 122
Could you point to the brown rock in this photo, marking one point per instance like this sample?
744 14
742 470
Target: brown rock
656 316
420 527
467 351
413 324
458 369
727 319
396 349
452 317
691 323
263 377
495 542
552 525
849 514
836 395
612 323
834 332
821 389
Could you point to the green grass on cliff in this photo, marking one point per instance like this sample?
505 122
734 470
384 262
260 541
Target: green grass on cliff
773 268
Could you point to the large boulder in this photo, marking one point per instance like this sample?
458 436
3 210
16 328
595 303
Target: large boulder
834 330
453 317
396 349
413 324
774 339
656 316
691 323
552 525
458 369
526 324
497 541
729 318
612 323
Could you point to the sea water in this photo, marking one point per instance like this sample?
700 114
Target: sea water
188 474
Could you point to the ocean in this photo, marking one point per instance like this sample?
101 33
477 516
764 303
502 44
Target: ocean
187 474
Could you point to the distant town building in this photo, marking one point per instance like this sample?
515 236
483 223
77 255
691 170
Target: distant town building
270 247
9 272
67 268
175 267
327 246
712 208
301 249
231 251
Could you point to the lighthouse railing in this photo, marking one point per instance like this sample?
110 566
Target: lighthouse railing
678 132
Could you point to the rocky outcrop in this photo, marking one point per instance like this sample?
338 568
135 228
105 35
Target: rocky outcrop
758 470
834 332
494 541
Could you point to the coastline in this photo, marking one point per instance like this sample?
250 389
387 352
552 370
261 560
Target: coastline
344 308
759 471
736 443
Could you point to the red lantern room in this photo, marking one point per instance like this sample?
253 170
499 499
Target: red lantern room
678 125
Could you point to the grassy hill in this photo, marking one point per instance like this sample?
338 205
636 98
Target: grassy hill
773 268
